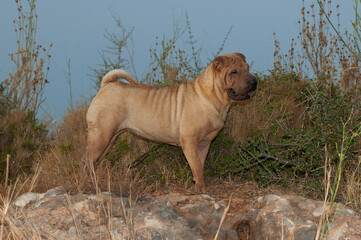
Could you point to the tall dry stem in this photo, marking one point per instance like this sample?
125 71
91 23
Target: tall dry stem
318 52
24 88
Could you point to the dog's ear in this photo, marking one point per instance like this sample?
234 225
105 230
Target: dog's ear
242 56
219 63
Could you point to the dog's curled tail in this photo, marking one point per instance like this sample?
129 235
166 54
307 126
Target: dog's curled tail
114 75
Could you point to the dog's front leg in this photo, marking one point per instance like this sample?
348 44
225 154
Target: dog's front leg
191 152
203 151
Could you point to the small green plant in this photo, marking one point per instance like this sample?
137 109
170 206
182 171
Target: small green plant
333 179
121 148
68 79
163 164
222 158
65 148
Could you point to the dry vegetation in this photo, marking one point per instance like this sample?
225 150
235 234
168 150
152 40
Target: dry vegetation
306 110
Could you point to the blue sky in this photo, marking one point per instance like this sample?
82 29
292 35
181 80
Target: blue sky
76 28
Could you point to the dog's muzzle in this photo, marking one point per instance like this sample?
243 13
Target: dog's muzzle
245 94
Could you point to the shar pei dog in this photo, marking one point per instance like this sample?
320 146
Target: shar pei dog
189 115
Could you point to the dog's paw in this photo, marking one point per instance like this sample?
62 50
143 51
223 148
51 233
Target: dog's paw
200 189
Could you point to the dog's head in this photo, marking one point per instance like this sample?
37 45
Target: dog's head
233 71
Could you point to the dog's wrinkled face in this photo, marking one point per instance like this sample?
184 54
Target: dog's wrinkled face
238 83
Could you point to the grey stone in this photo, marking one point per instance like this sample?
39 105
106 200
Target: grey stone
56 215
27 198
306 234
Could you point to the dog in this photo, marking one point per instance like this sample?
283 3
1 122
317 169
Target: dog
189 115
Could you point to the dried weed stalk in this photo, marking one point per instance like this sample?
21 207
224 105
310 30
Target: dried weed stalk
318 51
24 88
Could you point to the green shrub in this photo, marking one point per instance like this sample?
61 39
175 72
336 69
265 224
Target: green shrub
281 147
23 137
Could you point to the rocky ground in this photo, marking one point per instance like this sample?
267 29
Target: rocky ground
252 214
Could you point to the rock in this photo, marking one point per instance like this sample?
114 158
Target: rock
56 215
27 198
294 217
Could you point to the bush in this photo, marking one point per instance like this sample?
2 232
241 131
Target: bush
279 136
22 137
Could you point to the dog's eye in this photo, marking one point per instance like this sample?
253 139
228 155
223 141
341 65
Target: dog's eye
234 72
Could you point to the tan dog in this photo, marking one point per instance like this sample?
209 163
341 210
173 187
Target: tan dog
189 115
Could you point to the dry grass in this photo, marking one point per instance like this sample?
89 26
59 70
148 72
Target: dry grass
16 225
276 104
10 228
62 162
353 187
